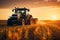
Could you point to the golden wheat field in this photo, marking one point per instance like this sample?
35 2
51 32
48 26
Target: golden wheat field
44 30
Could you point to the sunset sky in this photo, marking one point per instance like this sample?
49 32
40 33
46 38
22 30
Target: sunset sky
41 9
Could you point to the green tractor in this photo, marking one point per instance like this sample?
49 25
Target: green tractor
21 16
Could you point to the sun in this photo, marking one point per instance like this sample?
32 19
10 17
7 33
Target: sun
53 17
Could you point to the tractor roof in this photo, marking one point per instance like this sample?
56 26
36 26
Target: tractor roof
22 9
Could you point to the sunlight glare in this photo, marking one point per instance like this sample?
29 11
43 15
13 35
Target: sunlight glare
53 17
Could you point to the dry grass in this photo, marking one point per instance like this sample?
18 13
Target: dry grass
31 32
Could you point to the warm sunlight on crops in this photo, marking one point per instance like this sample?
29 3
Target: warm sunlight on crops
53 17
46 30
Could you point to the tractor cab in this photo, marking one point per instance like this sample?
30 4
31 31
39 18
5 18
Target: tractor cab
22 11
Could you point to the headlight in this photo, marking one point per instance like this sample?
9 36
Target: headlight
22 11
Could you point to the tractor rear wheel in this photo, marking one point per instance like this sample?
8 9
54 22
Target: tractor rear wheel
9 22
30 19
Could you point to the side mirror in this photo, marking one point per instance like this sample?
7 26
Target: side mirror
13 10
28 10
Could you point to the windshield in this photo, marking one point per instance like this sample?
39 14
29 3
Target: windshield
24 12
20 11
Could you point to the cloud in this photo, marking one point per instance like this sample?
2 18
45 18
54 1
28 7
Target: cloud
27 3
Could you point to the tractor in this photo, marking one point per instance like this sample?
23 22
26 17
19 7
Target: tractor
21 16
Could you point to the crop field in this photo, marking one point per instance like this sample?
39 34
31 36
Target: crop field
44 30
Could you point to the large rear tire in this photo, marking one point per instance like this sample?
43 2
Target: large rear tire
30 19
9 22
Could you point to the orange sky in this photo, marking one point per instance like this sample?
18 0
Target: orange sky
42 13
41 9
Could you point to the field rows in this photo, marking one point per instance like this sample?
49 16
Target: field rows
30 32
